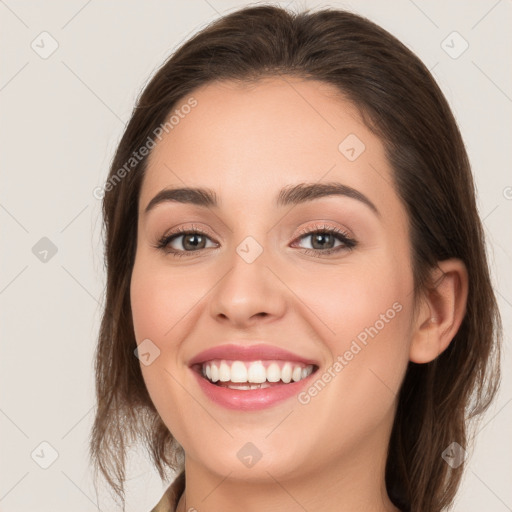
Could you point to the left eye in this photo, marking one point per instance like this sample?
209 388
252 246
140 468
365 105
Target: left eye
321 240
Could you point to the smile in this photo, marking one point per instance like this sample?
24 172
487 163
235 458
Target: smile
260 374
235 387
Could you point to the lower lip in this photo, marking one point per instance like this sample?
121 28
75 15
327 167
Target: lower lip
251 399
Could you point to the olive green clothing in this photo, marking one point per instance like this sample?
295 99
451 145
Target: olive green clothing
172 495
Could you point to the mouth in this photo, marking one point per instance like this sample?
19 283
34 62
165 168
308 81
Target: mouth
251 375
250 378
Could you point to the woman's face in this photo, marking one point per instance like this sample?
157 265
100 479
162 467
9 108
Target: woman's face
341 300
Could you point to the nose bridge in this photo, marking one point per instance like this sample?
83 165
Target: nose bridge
249 289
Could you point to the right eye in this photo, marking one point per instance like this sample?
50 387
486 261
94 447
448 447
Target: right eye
192 240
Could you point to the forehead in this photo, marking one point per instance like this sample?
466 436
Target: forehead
246 139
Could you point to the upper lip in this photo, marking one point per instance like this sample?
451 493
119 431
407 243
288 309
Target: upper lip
261 351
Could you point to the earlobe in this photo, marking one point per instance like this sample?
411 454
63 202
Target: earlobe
441 312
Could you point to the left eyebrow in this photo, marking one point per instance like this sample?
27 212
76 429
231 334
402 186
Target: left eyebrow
309 191
296 194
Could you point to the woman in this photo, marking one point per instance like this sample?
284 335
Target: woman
299 313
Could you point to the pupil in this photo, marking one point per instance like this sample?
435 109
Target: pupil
318 239
193 245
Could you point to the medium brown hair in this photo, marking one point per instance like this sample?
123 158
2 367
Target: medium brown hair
401 103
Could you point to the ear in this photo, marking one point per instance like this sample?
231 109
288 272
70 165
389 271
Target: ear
441 311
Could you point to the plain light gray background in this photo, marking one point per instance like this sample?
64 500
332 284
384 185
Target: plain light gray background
61 118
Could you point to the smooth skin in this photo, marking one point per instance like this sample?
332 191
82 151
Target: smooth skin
246 142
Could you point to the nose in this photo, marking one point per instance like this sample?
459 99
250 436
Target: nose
250 293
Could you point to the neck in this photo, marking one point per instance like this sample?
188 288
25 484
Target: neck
351 483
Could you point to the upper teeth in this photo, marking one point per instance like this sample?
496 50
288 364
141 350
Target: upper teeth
255 371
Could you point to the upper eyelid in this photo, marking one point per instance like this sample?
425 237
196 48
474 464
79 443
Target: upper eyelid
324 227
180 231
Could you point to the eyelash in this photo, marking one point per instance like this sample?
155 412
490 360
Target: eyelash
348 242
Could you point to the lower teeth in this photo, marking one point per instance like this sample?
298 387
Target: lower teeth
243 386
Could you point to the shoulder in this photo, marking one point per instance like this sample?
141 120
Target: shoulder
170 499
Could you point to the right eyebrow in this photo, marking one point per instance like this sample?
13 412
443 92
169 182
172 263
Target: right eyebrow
198 196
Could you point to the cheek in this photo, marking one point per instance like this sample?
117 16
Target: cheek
369 316
148 309
364 316
157 306
351 298
160 298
